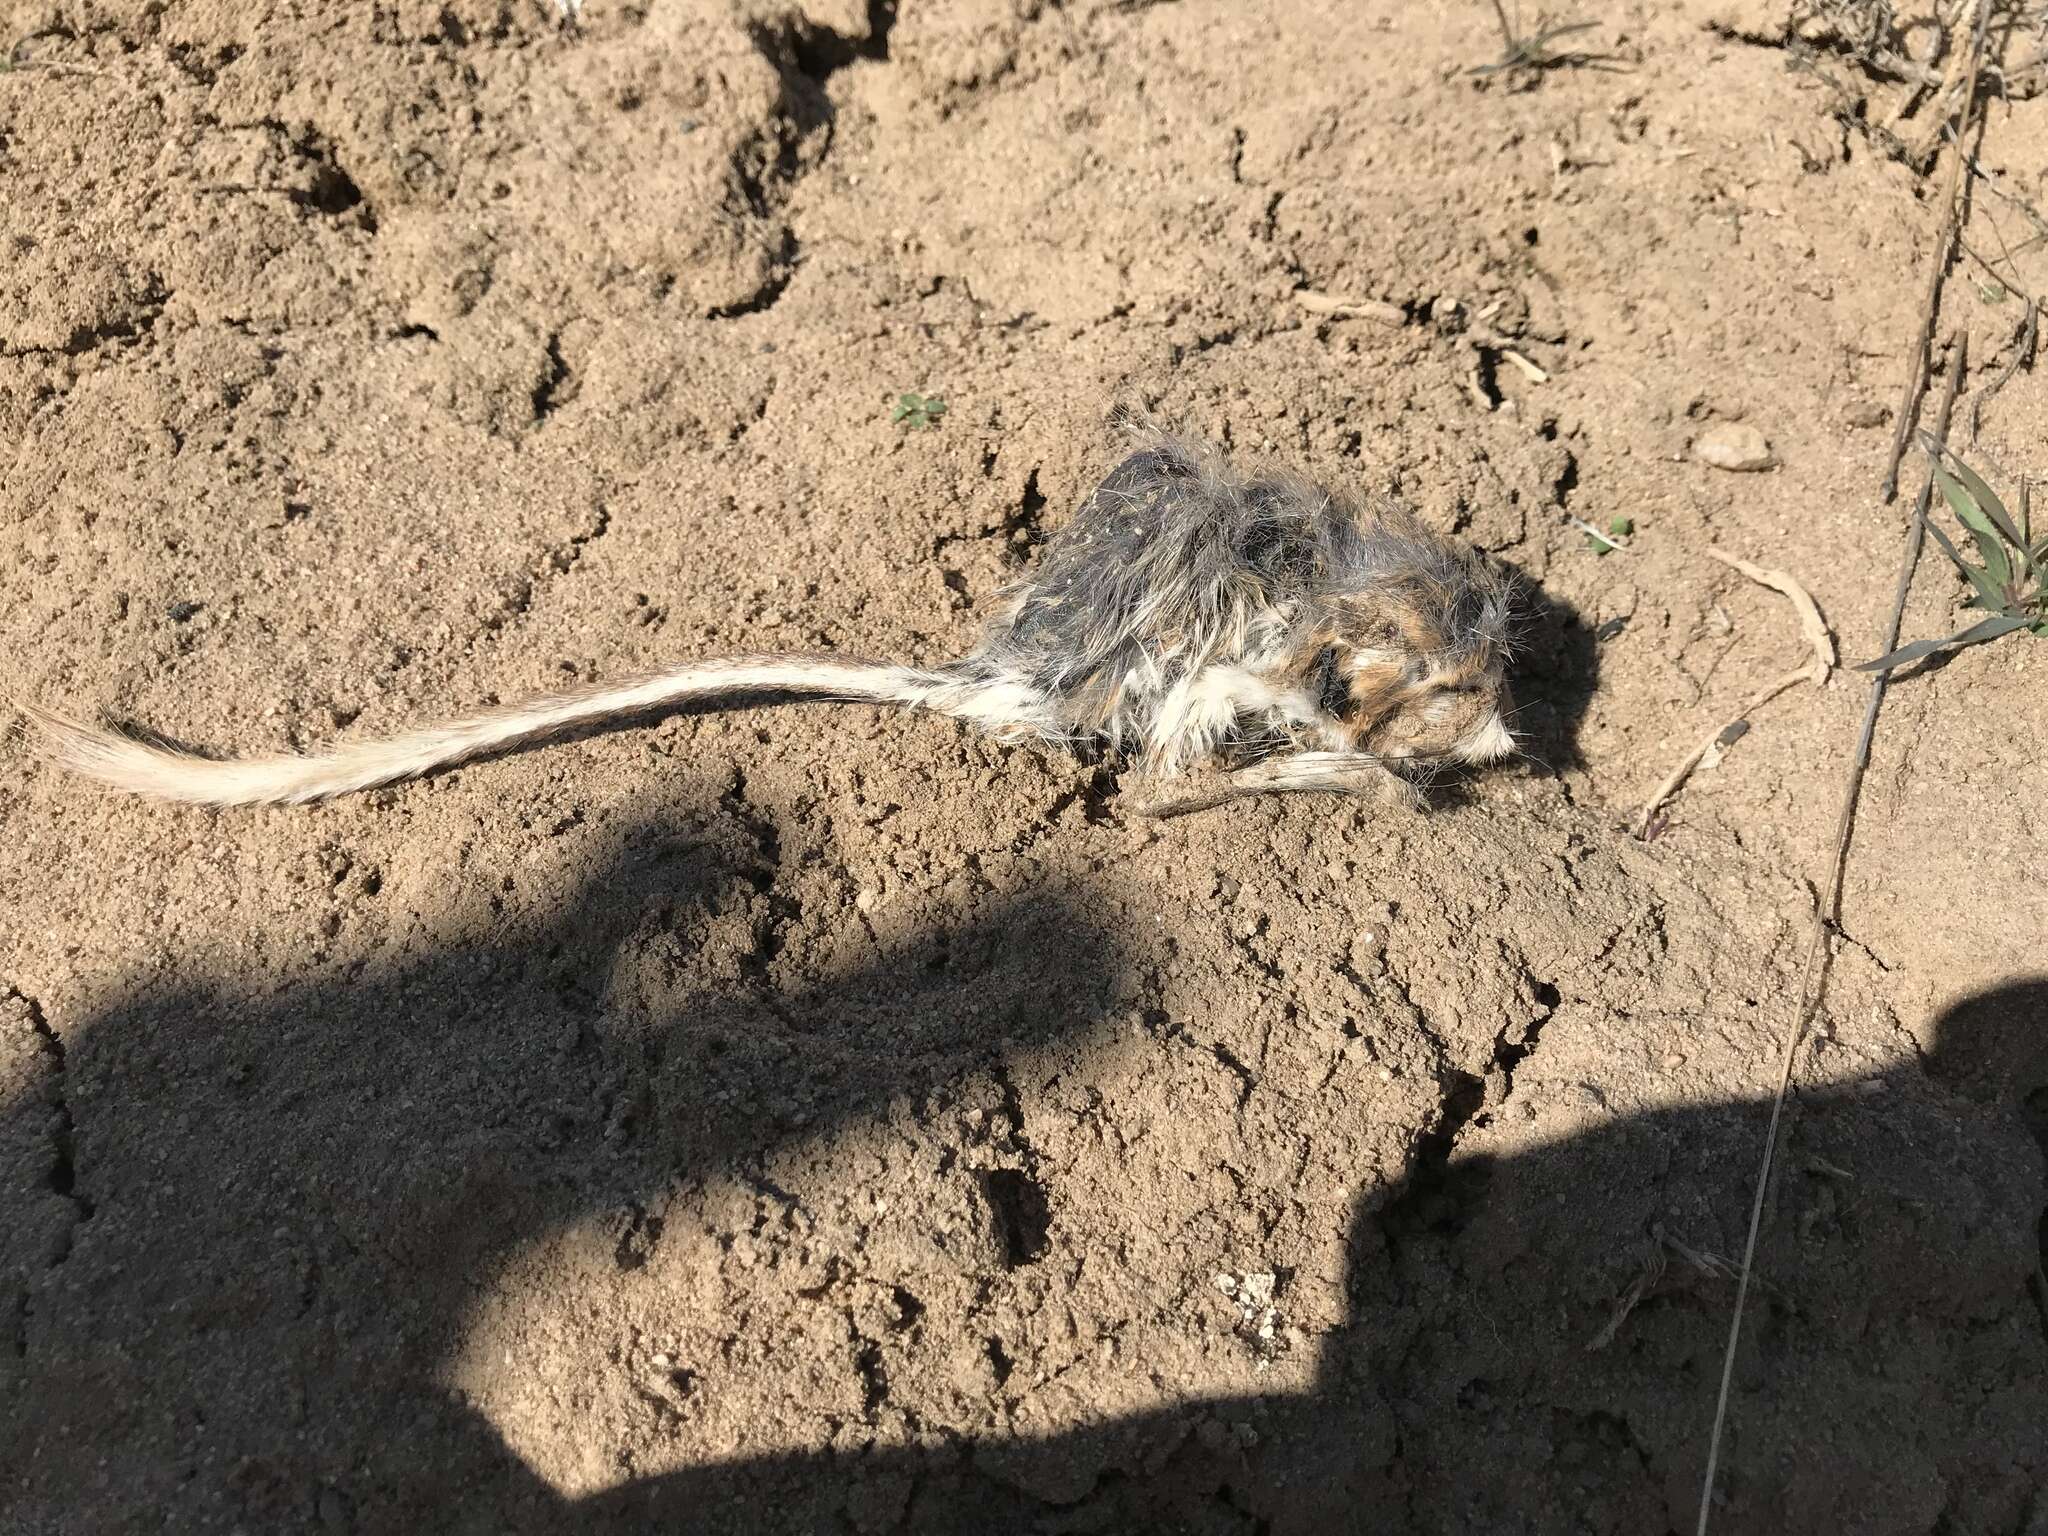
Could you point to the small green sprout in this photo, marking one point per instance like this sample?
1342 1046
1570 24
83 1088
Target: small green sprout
1531 53
1617 530
2011 582
914 412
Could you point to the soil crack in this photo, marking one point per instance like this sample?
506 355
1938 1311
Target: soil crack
556 387
780 909
63 1174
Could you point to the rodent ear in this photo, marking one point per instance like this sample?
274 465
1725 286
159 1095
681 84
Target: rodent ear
1370 625
1395 619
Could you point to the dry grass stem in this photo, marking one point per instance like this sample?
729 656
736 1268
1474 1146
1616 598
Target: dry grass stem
1339 308
1816 671
1813 973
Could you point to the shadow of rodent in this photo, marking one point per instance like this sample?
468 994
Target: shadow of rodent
1554 673
295 1197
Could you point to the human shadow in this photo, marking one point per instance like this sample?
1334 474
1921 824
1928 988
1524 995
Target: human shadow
239 1234
294 1197
1535 1339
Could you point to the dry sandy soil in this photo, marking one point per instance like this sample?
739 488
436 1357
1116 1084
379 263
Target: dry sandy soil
813 1119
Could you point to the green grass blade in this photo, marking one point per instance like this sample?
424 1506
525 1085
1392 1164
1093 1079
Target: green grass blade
1989 593
1990 597
1948 547
1988 502
1976 634
1996 565
1962 503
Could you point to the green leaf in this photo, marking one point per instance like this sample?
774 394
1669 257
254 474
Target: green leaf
1989 593
1978 508
1990 596
1996 565
1964 505
915 412
1948 548
1976 634
1987 500
1623 526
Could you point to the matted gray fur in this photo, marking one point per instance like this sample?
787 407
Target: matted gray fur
1189 614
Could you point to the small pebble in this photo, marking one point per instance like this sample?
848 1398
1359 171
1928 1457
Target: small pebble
1733 445
1866 413
1674 1061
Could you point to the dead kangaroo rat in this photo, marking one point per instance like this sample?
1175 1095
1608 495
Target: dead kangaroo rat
1255 625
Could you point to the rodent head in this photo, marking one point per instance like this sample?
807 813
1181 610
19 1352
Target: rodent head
1414 669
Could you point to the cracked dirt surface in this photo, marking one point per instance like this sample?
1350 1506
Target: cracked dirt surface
812 1119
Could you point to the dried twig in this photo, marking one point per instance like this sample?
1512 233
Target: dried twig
1646 1277
1487 341
1339 308
1918 364
1651 1274
1811 624
1336 306
2003 193
1816 670
2020 354
1974 16
1825 913
1618 542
